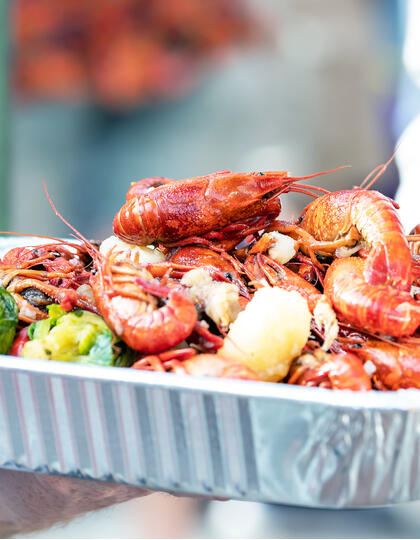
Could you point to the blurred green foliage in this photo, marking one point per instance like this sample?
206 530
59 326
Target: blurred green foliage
4 214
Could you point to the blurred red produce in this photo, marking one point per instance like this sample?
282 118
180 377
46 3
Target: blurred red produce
120 53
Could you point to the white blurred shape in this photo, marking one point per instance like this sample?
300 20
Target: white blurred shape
408 162
275 157
412 41
235 519
408 156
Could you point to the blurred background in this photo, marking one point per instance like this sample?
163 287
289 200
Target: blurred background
97 94
103 93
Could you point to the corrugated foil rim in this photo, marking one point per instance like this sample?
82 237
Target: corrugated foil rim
405 399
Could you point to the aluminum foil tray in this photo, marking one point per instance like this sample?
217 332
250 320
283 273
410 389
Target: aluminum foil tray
236 439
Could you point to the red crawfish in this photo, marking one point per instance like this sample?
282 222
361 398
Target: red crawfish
193 207
128 299
40 275
380 309
352 219
187 362
341 371
221 266
397 364
261 267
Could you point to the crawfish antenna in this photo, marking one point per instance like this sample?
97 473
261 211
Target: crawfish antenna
58 240
379 170
297 178
57 213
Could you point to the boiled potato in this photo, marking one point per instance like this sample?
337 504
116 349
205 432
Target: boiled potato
219 300
283 249
269 333
134 254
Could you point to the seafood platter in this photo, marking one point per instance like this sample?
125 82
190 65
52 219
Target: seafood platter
209 347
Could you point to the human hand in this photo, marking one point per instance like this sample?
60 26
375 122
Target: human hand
30 502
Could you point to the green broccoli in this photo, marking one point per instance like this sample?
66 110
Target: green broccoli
8 320
78 336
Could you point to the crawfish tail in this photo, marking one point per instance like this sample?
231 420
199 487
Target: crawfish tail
138 221
389 261
380 309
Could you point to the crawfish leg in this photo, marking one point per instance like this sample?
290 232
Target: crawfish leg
304 241
323 248
310 245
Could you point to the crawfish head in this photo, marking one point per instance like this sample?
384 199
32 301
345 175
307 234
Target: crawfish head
344 218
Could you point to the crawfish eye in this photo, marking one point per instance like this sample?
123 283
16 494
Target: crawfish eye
94 272
229 276
260 174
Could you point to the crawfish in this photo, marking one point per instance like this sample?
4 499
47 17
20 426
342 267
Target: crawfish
55 257
30 294
185 361
285 253
379 309
193 207
341 371
261 267
352 219
397 365
306 268
39 275
212 365
127 298
221 266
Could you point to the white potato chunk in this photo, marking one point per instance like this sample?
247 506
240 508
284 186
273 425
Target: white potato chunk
129 252
283 248
269 333
325 318
218 299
